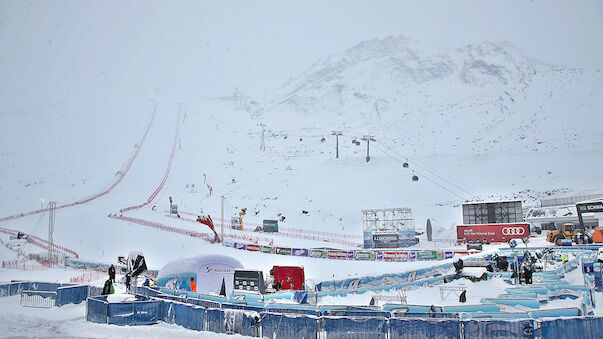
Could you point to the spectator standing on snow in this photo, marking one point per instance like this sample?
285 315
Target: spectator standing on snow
108 288
193 285
112 273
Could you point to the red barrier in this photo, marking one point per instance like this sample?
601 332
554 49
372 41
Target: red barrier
98 195
255 238
167 170
15 265
87 277
42 243
163 227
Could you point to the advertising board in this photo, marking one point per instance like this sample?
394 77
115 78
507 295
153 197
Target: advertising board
300 252
337 254
491 233
283 250
270 225
316 253
253 247
386 240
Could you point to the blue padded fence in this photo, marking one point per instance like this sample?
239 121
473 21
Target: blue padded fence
584 327
96 310
189 316
71 294
274 325
358 327
511 329
424 328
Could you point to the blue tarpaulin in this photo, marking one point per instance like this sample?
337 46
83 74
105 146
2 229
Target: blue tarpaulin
424 328
369 327
478 329
96 310
576 328
289 326
71 294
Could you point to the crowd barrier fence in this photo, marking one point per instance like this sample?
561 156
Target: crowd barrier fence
331 321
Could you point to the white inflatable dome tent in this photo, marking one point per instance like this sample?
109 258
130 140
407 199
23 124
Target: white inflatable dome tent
208 271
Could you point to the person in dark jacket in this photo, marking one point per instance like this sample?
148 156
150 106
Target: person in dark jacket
112 273
108 288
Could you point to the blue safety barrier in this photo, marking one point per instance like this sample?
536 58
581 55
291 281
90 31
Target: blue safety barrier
358 327
532 303
94 290
274 325
214 320
441 315
13 288
584 327
167 310
485 329
284 310
555 312
133 313
189 316
71 294
357 313
424 328
204 303
96 310
470 308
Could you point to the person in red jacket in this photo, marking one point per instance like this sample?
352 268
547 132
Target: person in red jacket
193 285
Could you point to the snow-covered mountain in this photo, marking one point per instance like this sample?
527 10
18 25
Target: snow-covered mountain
473 99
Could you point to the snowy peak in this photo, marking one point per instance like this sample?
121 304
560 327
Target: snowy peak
495 62
399 62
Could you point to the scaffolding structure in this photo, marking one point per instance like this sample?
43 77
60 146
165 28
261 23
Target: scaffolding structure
388 220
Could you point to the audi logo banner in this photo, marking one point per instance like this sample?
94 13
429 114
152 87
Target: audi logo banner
513 231
491 233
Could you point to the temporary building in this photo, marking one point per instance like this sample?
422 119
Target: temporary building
209 271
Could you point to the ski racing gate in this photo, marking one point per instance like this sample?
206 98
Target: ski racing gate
488 319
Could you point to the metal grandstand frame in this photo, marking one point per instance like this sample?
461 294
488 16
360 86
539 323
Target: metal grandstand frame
388 220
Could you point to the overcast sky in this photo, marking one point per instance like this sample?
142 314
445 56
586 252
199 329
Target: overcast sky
214 46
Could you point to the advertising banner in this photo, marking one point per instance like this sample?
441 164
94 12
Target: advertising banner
379 255
315 253
300 252
386 240
395 255
239 246
362 255
283 250
228 243
412 255
427 255
270 225
350 255
491 233
440 255
253 247
448 254
267 249
337 254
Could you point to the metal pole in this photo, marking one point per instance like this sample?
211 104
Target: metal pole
222 222
262 145
51 209
368 139
336 134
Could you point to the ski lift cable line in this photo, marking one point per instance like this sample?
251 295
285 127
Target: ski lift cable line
425 176
449 180
431 171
